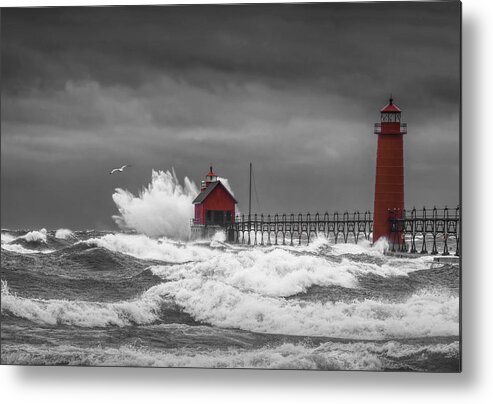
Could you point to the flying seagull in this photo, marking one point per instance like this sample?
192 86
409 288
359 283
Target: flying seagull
120 169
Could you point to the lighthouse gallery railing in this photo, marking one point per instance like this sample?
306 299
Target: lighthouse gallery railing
402 128
414 231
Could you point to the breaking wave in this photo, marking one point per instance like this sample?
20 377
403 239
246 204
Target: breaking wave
163 208
327 356
7 237
143 247
22 250
424 314
64 234
218 257
273 273
80 313
35 236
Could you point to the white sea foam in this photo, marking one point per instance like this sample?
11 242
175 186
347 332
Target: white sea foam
328 356
64 234
275 273
35 236
163 208
362 247
22 250
424 314
84 314
219 236
143 247
321 244
390 266
7 238
245 288
283 272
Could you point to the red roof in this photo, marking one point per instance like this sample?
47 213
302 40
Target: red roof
390 107
202 196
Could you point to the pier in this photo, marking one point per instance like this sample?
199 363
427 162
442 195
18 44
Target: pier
424 231
290 229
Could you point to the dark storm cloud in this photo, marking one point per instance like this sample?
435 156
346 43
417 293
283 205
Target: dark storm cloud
295 88
124 45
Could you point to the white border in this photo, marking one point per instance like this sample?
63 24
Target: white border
87 385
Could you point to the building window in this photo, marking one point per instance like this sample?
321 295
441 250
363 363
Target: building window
218 217
391 117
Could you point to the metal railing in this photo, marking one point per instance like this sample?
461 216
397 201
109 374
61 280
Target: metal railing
301 228
402 128
411 231
421 230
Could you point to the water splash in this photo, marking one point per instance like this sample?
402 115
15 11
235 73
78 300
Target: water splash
35 236
64 234
163 208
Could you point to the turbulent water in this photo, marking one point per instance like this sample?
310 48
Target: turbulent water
118 299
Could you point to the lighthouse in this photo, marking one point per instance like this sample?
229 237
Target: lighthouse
214 207
389 178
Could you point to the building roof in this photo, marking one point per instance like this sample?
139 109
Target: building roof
206 192
390 107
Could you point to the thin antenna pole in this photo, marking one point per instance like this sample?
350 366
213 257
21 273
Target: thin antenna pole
250 194
255 190
250 207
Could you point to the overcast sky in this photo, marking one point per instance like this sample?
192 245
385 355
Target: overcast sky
295 89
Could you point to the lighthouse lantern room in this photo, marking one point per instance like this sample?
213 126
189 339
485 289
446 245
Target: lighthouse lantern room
214 207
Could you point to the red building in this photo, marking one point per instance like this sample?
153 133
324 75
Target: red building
389 178
214 205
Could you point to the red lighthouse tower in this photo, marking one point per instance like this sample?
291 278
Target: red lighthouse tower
389 180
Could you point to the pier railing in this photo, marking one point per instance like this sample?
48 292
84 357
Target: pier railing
434 231
301 228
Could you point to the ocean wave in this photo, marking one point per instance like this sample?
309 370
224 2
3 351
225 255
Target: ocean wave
64 234
368 257
100 260
143 247
325 245
423 314
34 241
328 356
274 273
298 268
17 248
82 313
35 236
7 237
362 247
212 302
280 272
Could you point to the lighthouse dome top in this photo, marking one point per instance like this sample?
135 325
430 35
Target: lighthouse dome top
211 176
391 107
211 173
